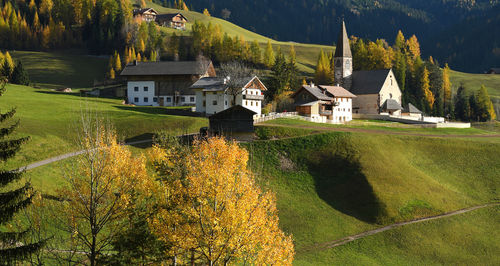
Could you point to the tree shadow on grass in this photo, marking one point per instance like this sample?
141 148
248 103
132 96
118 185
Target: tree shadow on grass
340 182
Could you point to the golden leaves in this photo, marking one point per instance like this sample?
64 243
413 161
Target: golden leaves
215 209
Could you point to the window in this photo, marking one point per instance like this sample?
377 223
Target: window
146 88
136 99
155 99
204 94
257 104
169 99
145 99
214 103
191 99
183 99
204 103
136 88
390 94
225 102
251 103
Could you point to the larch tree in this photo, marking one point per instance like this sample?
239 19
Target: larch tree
96 194
117 65
13 197
7 66
269 55
485 110
446 87
222 216
206 13
256 54
427 94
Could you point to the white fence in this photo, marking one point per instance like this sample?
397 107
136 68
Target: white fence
271 116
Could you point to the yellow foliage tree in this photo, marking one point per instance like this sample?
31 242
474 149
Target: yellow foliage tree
143 4
446 86
425 87
97 191
206 13
117 62
220 215
413 47
112 74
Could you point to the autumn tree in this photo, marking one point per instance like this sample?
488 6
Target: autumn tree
96 194
206 13
117 64
269 55
322 75
485 110
255 52
13 197
446 87
425 92
7 66
220 215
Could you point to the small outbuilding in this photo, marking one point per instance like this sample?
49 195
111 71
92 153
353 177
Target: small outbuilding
236 119
494 71
411 110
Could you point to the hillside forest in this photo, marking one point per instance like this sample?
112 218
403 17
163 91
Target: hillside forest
107 27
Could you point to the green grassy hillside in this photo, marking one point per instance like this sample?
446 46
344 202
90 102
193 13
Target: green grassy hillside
62 69
51 120
337 184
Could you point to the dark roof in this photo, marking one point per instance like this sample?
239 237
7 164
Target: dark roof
166 68
314 91
230 112
337 91
410 108
142 10
494 70
169 16
391 104
368 81
343 49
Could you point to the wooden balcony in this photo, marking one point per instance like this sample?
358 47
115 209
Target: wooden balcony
253 97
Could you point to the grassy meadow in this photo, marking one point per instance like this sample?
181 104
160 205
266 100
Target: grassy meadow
62 69
51 119
333 185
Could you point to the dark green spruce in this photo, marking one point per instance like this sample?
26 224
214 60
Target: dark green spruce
12 249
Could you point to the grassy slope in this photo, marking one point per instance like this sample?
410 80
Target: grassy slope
57 69
51 120
474 81
307 54
344 183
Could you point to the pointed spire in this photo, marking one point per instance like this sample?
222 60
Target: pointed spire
343 49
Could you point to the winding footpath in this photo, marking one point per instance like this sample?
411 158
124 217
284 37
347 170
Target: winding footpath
347 239
69 155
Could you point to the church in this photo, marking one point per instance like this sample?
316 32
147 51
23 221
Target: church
356 92
377 91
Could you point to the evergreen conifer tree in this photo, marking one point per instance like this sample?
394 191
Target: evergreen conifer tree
12 200
462 105
19 75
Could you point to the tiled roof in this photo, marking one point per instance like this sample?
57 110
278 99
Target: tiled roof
343 49
391 104
166 68
410 108
337 91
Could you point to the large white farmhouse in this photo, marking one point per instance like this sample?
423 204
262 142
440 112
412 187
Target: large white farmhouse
332 102
165 83
213 95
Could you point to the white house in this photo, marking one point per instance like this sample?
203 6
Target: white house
213 95
164 83
332 102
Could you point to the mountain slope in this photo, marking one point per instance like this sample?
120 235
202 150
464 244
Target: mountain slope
313 21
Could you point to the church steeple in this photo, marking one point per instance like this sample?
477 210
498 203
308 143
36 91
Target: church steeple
343 49
343 60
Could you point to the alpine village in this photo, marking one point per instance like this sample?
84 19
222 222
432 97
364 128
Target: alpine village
232 132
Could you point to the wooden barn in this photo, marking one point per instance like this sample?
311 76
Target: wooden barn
236 119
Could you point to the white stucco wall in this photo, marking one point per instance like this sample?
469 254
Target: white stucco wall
254 105
342 112
223 101
141 92
390 90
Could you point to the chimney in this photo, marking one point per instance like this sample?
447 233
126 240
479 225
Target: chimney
311 84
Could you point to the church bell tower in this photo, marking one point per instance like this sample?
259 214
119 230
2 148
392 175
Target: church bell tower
343 60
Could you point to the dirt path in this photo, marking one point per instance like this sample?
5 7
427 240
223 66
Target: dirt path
379 131
69 155
347 239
